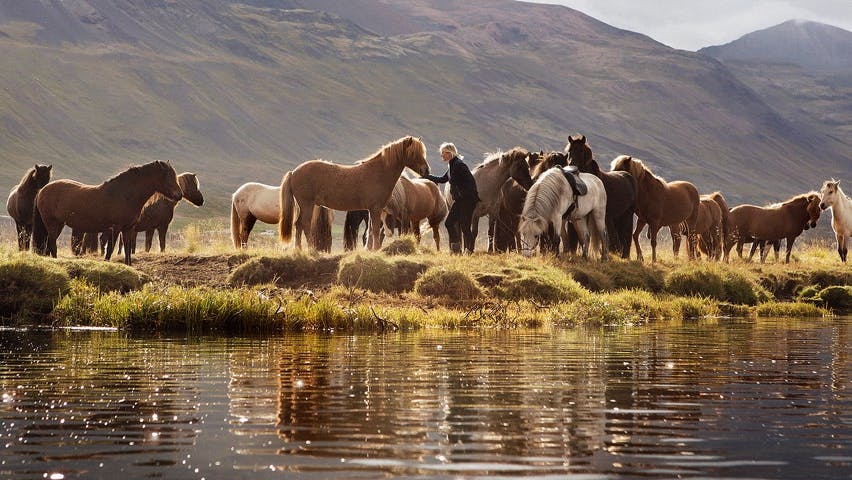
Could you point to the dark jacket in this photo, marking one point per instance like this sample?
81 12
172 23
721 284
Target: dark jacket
462 183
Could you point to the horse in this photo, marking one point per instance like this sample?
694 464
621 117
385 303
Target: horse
252 202
21 200
158 212
366 185
659 203
420 199
511 203
708 230
785 220
831 196
114 204
622 191
351 225
490 175
551 199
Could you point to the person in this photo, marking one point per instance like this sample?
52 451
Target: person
465 196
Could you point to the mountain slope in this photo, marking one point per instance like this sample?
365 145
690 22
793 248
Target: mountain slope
243 91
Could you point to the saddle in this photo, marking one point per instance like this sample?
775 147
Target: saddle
578 186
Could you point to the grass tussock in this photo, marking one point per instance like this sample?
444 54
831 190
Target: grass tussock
789 309
448 283
379 273
106 276
545 285
294 269
616 274
30 287
405 245
714 281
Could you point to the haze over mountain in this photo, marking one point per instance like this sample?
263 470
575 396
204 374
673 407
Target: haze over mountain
241 91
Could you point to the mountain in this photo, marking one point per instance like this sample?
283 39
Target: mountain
804 71
241 91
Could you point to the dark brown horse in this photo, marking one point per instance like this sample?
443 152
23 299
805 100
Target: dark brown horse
21 201
761 225
659 203
621 194
114 204
365 185
352 225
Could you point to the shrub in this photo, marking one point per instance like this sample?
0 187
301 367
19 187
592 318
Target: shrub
836 297
30 287
448 283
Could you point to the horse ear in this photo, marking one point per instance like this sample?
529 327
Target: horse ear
582 138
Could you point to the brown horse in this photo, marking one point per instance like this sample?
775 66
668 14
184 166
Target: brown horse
659 204
351 226
114 204
21 201
420 199
621 194
707 231
158 212
366 185
761 225
511 203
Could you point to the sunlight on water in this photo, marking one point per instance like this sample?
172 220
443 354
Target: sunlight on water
708 399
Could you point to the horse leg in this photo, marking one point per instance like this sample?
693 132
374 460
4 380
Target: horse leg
110 244
675 241
492 225
162 231
246 226
436 235
640 225
841 246
149 240
653 230
23 241
375 229
754 245
582 228
126 234
777 247
603 236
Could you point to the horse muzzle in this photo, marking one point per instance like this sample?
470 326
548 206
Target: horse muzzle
823 206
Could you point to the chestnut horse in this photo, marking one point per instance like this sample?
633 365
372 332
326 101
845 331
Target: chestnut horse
831 196
366 185
621 194
708 229
158 212
659 203
419 199
21 201
114 204
255 201
771 224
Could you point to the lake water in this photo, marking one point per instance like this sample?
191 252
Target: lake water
707 399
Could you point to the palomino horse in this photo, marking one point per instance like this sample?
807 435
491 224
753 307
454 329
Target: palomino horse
420 199
366 185
760 225
21 200
621 194
659 204
490 176
831 196
255 201
115 204
551 199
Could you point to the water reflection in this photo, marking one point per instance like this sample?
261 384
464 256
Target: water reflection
767 399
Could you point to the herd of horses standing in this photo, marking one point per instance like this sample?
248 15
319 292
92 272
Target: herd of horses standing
533 200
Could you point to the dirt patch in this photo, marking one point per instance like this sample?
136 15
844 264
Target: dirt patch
188 270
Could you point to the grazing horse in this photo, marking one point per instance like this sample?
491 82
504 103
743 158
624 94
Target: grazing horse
490 176
786 220
158 212
252 202
351 225
114 204
21 200
621 194
419 199
831 196
708 230
659 203
366 185
551 201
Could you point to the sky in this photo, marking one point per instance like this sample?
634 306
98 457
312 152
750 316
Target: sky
694 24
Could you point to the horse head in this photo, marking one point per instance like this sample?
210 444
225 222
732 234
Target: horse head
415 155
530 230
828 193
189 186
548 161
167 182
41 175
579 152
814 207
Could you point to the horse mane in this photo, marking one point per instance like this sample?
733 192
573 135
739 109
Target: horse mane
489 158
134 170
30 173
543 194
797 198
639 165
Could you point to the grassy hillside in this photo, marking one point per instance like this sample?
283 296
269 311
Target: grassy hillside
238 92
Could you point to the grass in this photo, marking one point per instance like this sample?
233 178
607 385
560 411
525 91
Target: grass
415 287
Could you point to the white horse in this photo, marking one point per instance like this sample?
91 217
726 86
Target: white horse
841 213
252 202
548 202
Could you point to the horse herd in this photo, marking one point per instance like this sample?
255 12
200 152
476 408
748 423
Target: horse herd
533 200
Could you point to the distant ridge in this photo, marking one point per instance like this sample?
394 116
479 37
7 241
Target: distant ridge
804 43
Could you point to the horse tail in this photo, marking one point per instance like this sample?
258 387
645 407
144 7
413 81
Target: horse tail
235 225
287 205
321 229
39 233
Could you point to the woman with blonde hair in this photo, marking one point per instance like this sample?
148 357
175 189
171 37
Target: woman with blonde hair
465 196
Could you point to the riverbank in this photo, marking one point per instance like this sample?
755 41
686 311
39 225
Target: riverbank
405 287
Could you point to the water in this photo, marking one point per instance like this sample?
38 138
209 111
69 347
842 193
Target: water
710 399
